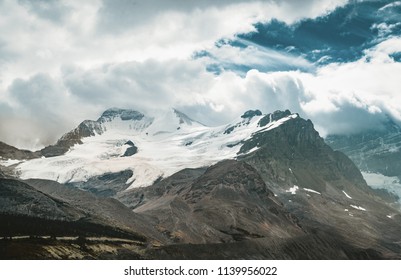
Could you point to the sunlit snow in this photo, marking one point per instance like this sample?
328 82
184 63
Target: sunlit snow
347 195
358 207
312 191
293 190
9 162
165 145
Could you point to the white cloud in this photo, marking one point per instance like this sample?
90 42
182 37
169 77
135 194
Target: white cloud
139 85
161 30
222 16
385 29
52 10
38 111
370 84
391 5
338 97
72 59
255 56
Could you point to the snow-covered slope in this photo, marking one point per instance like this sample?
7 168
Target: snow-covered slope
166 144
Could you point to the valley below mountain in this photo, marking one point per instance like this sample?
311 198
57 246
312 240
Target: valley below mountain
131 186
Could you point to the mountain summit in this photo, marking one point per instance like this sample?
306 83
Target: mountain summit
151 147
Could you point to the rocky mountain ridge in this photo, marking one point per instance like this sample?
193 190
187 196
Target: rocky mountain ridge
151 148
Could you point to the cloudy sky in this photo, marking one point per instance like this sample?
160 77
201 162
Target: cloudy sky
336 62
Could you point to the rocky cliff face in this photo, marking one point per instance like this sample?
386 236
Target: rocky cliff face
295 154
90 128
123 114
84 129
322 187
288 188
229 202
10 152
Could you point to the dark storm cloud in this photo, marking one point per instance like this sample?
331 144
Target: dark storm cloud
41 106
150 84
349 119
5 109
17 123
38 94
6 54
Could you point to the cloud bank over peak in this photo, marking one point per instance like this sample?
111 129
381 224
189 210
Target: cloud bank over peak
66 61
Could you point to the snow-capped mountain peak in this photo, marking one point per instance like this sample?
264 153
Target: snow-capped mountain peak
123 120
152 147
123 114
184 119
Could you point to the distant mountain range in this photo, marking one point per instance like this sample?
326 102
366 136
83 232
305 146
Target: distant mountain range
265 186
377 153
